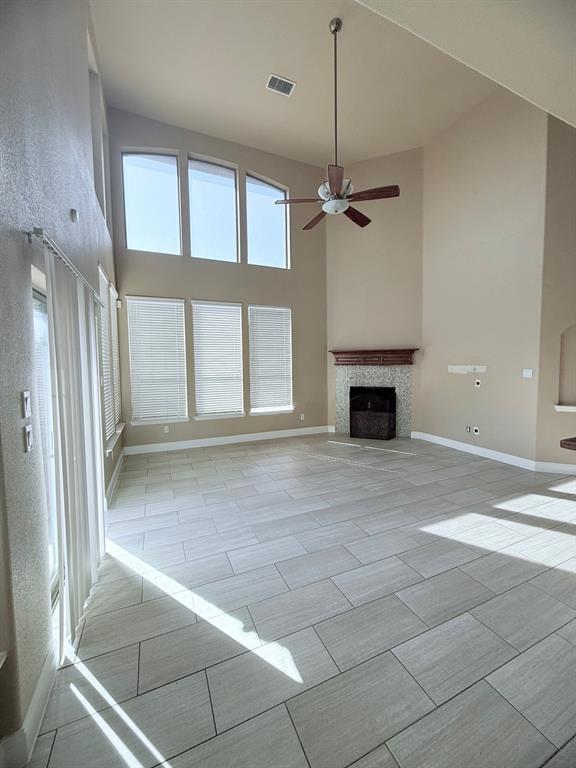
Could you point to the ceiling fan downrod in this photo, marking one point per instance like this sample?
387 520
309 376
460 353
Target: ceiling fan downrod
335 26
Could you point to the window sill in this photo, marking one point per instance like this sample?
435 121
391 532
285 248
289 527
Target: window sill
169 420
111 443
272 412
565 408
210 416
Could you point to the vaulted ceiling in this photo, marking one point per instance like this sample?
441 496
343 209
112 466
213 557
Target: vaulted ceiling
204 64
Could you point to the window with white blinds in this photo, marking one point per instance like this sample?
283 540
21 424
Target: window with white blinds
270 330
106 359
157 345
113 296
218 358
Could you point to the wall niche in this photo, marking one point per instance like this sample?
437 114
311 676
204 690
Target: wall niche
567 388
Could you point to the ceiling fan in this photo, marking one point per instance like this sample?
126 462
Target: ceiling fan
337 193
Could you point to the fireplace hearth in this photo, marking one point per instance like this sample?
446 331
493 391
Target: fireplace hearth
373 412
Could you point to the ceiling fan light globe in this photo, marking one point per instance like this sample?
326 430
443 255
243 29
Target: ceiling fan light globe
335 206
324 191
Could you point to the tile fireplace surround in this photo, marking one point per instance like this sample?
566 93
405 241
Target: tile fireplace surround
374 368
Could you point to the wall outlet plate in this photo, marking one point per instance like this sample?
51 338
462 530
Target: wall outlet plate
527 373
166 429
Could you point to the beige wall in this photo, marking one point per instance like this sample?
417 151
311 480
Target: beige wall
558 288
303 287
45 169
527 47
484 199
374 275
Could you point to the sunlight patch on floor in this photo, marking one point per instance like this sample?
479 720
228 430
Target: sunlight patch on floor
273 653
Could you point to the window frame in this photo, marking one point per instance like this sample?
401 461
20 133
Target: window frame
159 153
110 306
139 422
285 193
220 414
237 204
276 409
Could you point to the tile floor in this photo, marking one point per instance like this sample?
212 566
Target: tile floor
326 603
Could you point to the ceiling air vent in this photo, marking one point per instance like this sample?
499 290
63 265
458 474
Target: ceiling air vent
280 85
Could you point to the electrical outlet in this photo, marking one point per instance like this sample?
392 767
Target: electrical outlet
477 383
302 417
166 429
468 429
476 430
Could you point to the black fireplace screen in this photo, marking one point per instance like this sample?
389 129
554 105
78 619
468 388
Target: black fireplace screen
373 412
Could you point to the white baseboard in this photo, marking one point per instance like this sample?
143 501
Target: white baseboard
114 479
505 458
554 468
204 442
16 749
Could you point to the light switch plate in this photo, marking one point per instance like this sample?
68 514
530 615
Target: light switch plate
26 404
527 373
28 438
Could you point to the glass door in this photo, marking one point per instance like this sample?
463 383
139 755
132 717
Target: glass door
44 404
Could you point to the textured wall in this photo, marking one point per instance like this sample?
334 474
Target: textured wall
558 288
45 169
303 287
484 200
374 275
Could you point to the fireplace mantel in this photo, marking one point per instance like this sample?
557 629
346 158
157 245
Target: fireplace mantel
373 356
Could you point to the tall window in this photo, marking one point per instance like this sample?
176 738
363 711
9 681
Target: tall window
109 356
270 358
213 230
157 359
44 403
218 358
151 203
266 224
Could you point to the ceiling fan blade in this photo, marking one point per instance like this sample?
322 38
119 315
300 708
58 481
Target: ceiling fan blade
316 220
285 201
335 178
377 193
357 216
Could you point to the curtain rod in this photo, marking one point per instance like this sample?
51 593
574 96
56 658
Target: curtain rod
40 234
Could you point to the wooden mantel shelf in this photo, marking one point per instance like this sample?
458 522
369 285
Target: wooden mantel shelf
569 443
373 356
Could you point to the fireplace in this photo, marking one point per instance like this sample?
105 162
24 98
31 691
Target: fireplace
373 412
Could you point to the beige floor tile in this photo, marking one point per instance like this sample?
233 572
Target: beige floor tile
146 729
449 658
249 684
258 743
376 580
173 655
351 714
541 684
444 596
315 566
364 632
477 729
287 613
523 615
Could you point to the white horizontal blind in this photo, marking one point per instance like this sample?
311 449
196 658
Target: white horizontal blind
106 359
157 344
218 357
270 358
115 353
